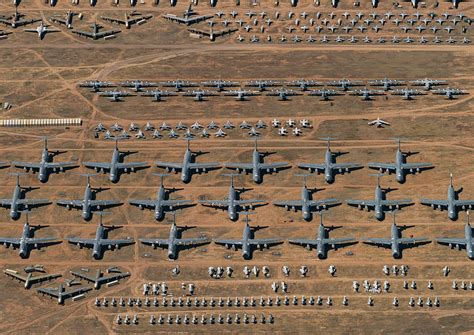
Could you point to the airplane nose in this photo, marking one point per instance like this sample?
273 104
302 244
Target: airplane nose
96 255
23 254
171 255
321 255
396 255
14 215
246 255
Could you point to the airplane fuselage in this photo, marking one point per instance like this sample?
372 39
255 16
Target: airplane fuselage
86 208
256 173
113 174
23 241
321 247
328 171
97 248
14 214
185 171
394 235
232 208
378 208
159 211
399 172
246 237
452 197
172 242
306 208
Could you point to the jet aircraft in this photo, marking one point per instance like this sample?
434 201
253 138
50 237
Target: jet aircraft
29 279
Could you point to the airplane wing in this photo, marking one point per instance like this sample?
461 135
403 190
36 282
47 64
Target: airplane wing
379 242
267 241
339 242
466 203
214 203
175 166
58 165
197 166
131 165
107 33
70 203
33 202
144 203
317 167
402 202
93 165
240 166
303 242
429 202
83 276
88 242
200 32
48 291
329 201
102 203
289 203
178 19
452 241
175 202
83 33
5 202
237 243
408 166
18 276
273 165
42 278
248 202
35 166
162 243
412 242
57 20
107 242
40 241
224 32
191 241
197 19
357 203
8 241
25 22
113 20
345 166
385 166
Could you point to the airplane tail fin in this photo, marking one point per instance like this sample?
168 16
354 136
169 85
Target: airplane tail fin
162 177
231 175
247 220
451 179
378 175
304 175
328 140
87 175
45 142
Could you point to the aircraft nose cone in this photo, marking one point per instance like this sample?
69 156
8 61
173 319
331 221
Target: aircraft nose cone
246 255
23 254
397 255
321 255
96 255
171 255
14 215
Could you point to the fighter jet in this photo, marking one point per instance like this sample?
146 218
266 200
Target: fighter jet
325 94
128 20
179 84
257 167
99 279
306 204
407 93
283 94
378 123
96 34
115 96
200 94
29 279
95 85
189 17
157 94
174 241
366 94
88 204
396 242
303 84
61 294
262 85
380 204
100 241
19 203
220 85
427 83
67 21
323 243
248 241
452 204
449 93
116 165
16 20
211 33
233 204
27 242
188 166
241 94
42 30
386 83
401 168
461 243
45 166
162 202
330 168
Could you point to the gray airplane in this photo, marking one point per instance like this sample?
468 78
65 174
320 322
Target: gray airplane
61 294
88 204
401 168
330 168
380 204
396 242
233 204
174 241
27 242
99 279
66 21
257 167
189 17
95 34
452 204
46 165
386 83
248 241
162 202
100 241
129 19
29 279
116 165
323 243
188 166
95 85
212 34
306 204
461 243
16 20
220 85
18 203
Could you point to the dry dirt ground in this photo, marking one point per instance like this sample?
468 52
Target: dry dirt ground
39 78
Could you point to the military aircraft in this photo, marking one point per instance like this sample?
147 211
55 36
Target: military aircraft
88 204
100 241
396 242
248 241
67 21
42 30
427 83
345 84
179 84
325 94
157 94
137 85
366 94
303 84
99 279
45 165
461 243
283 94
116 165
29 279
200 94
386 83
233 204
188 166
174 241
452 204
400 167
96 85
115 96
18 203
380 204
220 85
323 243
96 34
27 242
241 94
330 168
306 204
407 93
379 123
211 33
189 17
257 167
449 93
61 294
129 19
162 202
16 20
262 85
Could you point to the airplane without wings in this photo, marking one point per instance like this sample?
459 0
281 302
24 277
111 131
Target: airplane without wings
211 33
452 204
189 17
188 166
18 203
306 204
330 168
248 241
99 279
95 34
116 165
128 20
45 165
233 204
379 123
257 167
16 20
461 243
42 30
61 294
380 204
401 168
100 241
162 202
323 243
88 204
29 279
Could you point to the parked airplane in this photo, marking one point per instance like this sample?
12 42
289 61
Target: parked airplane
46 164
115 96
379 123
67 21
129 19
220 85
304 84
61 294
137 85
427 83
325 94
386 83
157 94
199 94
16 20
29 279
189 17
449 93
42 30
99 279
96 85
262 85
461 243
179 84
330 168
283 94
407 93
96 34
211 33
366 94
345 84
241 94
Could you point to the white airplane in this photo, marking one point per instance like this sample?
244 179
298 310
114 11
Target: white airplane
42 30
282 131
276 123
379 123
